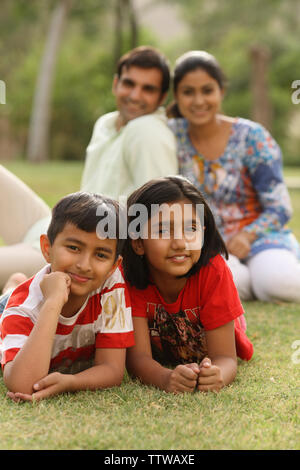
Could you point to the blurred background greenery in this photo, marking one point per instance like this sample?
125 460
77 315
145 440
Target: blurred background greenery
256 42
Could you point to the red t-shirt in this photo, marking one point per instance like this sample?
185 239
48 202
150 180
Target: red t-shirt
208 300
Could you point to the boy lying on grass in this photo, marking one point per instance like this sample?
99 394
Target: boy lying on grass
68 327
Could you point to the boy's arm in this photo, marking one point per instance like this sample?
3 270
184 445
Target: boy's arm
107 372
140 363
33 360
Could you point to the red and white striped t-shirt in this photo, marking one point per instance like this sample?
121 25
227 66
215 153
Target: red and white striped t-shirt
103 321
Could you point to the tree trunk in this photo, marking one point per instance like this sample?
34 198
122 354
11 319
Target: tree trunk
118 30
124 9
38 138
133 24
261 105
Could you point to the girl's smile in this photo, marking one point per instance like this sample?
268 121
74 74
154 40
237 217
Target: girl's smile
178 258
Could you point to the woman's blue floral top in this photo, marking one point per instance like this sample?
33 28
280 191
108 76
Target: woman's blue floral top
244 187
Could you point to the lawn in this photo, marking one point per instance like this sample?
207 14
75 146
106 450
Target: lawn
260 410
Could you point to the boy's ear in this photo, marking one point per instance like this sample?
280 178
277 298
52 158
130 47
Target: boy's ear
115 265
45 247
137 246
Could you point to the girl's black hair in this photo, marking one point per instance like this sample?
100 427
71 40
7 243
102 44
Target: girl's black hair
165 190
189 62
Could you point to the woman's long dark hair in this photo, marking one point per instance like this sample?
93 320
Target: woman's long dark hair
166 190
189 62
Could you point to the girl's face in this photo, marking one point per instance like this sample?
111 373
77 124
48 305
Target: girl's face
199 97
171 241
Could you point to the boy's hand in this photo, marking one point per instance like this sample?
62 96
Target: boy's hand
52 384
183 378
210 377
56 285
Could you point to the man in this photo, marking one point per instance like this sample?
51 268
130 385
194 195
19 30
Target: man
128 147
133 144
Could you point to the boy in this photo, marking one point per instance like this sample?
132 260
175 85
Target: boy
75 310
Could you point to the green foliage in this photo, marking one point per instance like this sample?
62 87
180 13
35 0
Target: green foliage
228 30
83 76
85 66
82 80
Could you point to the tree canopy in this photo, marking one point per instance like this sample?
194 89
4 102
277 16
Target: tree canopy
97 32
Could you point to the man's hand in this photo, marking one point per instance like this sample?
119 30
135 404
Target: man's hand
183 378
51 385
56 285
210 377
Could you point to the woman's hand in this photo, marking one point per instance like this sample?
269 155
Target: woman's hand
240 244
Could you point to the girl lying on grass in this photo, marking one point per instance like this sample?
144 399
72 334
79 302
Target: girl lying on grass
186 309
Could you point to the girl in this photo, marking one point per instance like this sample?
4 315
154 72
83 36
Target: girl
238 167
181 291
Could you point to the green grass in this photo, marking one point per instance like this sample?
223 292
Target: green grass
260 410
50 181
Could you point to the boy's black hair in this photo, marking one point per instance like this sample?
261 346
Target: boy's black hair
166 190
146 57
82 209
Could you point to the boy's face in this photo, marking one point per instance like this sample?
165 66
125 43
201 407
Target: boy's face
87 259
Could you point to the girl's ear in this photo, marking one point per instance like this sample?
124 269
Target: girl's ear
137 246
45 247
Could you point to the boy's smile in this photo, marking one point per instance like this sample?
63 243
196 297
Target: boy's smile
87 259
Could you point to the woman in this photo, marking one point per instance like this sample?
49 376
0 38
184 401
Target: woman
238 166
